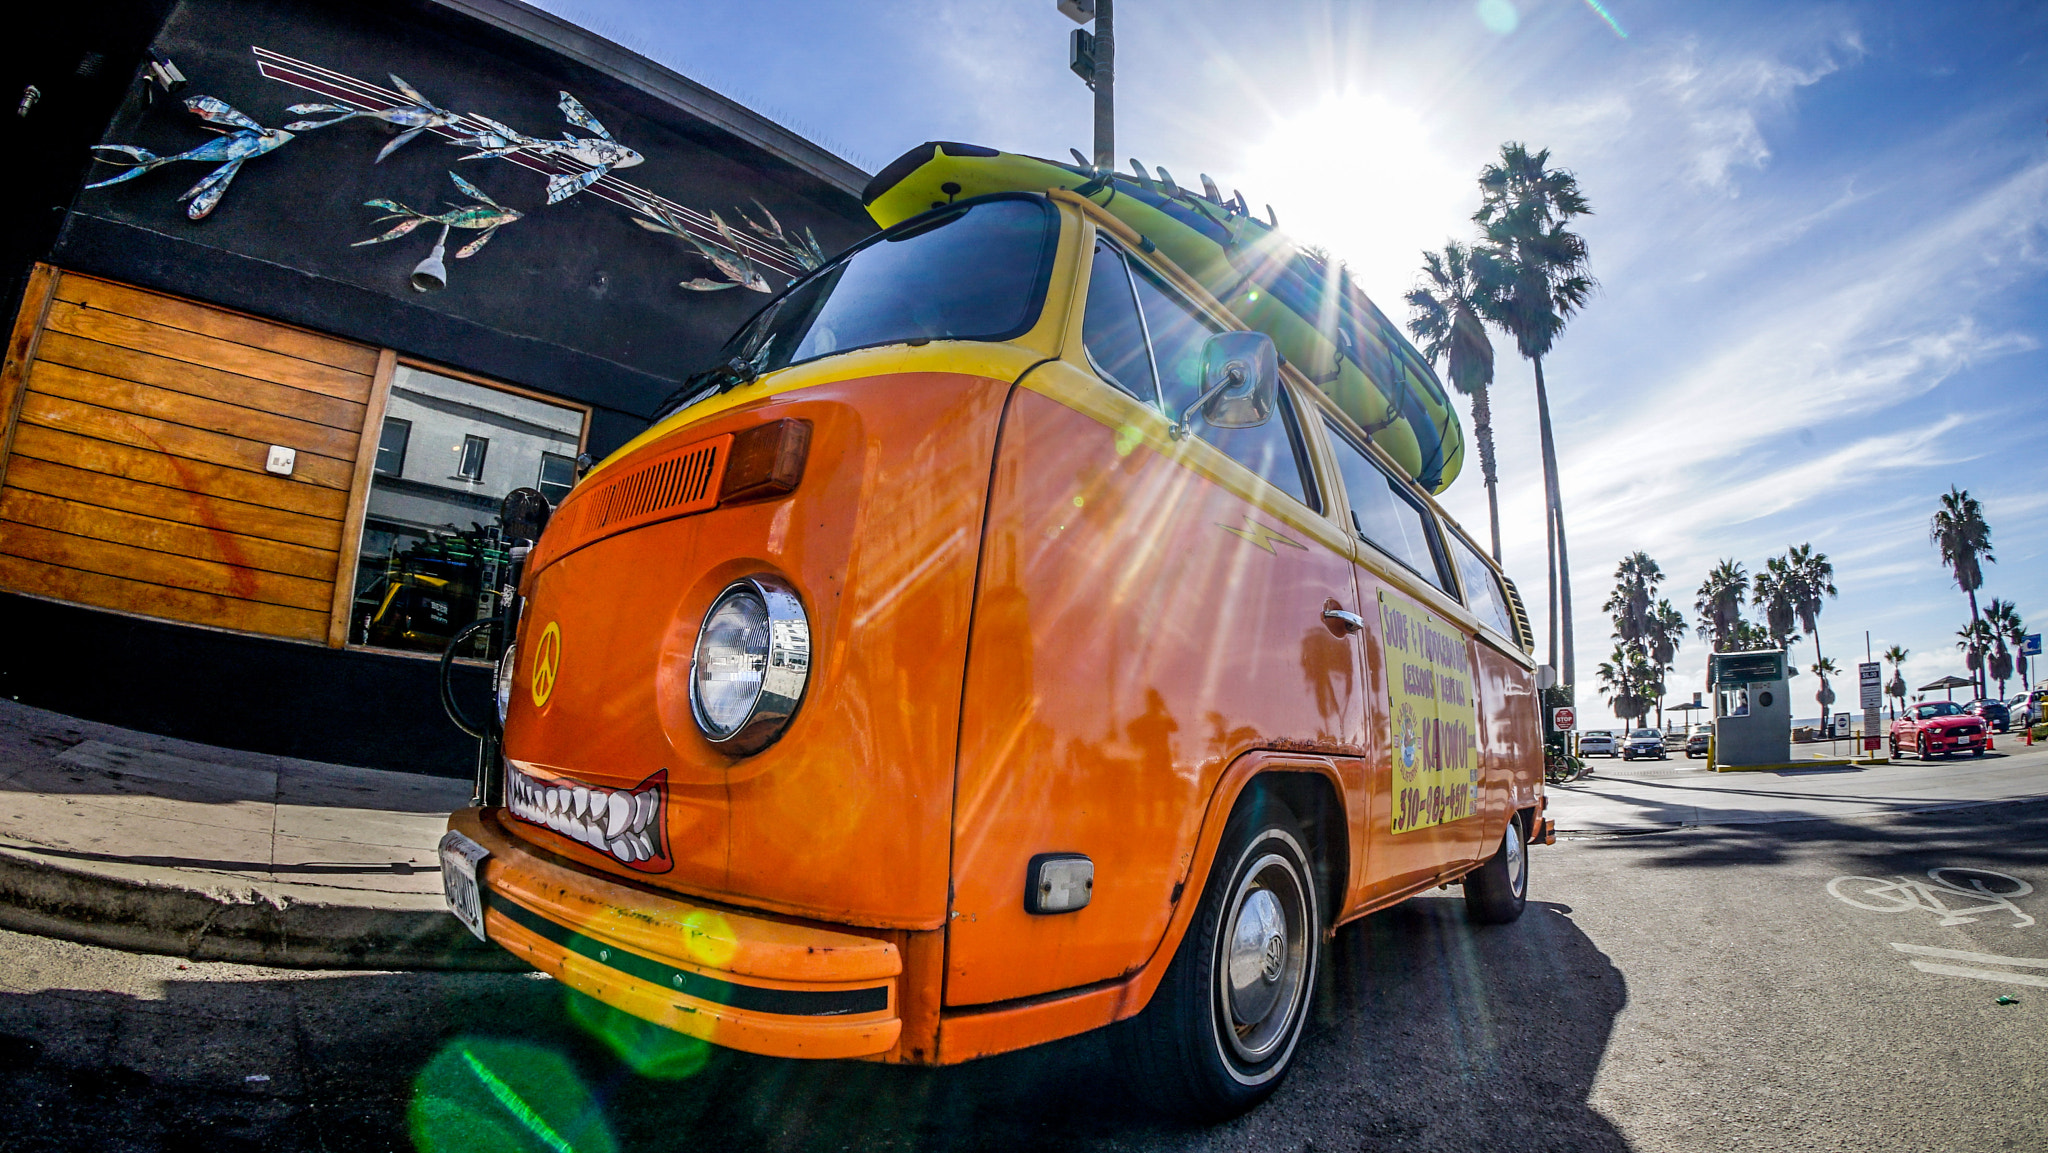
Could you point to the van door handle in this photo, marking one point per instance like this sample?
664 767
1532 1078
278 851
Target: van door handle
1351 621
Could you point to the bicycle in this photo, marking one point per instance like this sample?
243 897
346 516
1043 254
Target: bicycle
1904 894
1562 768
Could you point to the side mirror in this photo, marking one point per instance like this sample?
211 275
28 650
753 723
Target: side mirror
1546 677
1240 382
524 514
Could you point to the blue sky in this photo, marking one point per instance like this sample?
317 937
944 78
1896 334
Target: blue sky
1821 232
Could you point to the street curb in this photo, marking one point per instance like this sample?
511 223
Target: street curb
244 927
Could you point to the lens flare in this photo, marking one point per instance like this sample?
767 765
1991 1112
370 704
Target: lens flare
646 1048
1498 16
1601 10
482 1093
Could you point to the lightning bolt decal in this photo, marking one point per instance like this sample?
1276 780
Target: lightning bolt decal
1260 535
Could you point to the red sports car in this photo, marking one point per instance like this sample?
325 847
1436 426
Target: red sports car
1938 729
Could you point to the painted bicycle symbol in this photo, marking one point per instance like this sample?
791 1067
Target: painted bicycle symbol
1957 895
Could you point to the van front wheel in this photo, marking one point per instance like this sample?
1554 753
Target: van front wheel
1496 891
1220 1031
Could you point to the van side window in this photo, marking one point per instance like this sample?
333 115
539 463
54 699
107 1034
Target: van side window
1386 517
1178 334
1483 593
1274 449
1111 330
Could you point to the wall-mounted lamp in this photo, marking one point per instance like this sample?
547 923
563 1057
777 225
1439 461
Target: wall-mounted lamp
431 274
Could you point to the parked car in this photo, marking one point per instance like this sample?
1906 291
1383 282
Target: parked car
1993 711
1643 743
1938 728
1599 741
2029 708
1696 744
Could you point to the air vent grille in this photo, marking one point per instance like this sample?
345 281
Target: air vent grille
671 483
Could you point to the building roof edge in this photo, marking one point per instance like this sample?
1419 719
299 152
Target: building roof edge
623 64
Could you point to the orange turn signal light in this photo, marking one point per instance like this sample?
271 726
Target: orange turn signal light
766 460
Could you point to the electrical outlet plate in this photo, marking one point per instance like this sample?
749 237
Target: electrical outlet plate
282 460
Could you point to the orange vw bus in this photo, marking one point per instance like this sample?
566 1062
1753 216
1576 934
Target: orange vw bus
997 644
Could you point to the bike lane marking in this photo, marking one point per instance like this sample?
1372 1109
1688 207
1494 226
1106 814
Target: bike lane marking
1979 958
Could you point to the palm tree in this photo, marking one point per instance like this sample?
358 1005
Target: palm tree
1776 591
1665 634
1448 305
1751 637
1959 530
1535 271
1974 639
1813 578
1897 655
1621 678
1719 605
2004 618
1635 584
1824 669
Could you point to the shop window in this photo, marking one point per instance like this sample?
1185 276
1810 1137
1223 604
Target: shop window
557 476
432 558
391 446
472 467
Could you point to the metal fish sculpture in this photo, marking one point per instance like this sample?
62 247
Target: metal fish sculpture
727 258
806 250
487 217
601 153
415 118
249 140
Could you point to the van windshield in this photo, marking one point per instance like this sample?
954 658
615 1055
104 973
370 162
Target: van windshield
978 273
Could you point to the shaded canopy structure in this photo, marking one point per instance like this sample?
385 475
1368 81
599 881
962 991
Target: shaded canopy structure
1947 684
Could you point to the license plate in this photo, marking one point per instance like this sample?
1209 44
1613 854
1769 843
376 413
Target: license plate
459 859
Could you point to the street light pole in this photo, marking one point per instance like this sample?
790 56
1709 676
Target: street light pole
1105 87
1094 61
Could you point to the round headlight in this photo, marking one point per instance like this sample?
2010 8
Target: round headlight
752 661
503 686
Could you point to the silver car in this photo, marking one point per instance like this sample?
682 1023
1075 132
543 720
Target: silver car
1598 741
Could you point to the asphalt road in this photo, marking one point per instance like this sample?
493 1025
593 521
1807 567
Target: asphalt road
1697 989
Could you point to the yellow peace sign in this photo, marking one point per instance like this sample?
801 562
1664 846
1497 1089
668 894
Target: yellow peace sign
547 660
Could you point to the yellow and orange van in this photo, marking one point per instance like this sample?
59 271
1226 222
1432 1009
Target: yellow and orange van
997 644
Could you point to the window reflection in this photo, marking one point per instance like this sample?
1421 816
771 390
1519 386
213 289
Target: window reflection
431 559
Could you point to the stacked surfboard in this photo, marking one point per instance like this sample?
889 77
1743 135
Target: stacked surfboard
1321 322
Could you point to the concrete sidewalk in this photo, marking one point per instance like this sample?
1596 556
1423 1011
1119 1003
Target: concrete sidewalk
151 844
1648 796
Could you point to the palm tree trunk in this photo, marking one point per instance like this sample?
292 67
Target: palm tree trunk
1977 672
1560 569
1482 431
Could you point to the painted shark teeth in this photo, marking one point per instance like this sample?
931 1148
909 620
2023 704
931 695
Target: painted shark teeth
619 822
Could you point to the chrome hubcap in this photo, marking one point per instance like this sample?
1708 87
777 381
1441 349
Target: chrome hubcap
1518 861
1265 958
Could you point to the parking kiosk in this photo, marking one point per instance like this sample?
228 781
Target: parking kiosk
1752 711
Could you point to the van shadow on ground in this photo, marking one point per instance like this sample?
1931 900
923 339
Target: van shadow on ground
1429 1034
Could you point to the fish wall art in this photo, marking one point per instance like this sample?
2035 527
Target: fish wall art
415 118
487 216
729 258
600 154
231 151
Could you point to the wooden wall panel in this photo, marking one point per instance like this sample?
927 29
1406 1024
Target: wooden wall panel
135 476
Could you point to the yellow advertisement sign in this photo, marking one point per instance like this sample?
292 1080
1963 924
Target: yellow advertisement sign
1432 717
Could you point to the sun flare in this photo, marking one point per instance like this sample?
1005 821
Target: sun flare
1369 180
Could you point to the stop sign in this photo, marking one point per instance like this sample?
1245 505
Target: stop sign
1562 718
